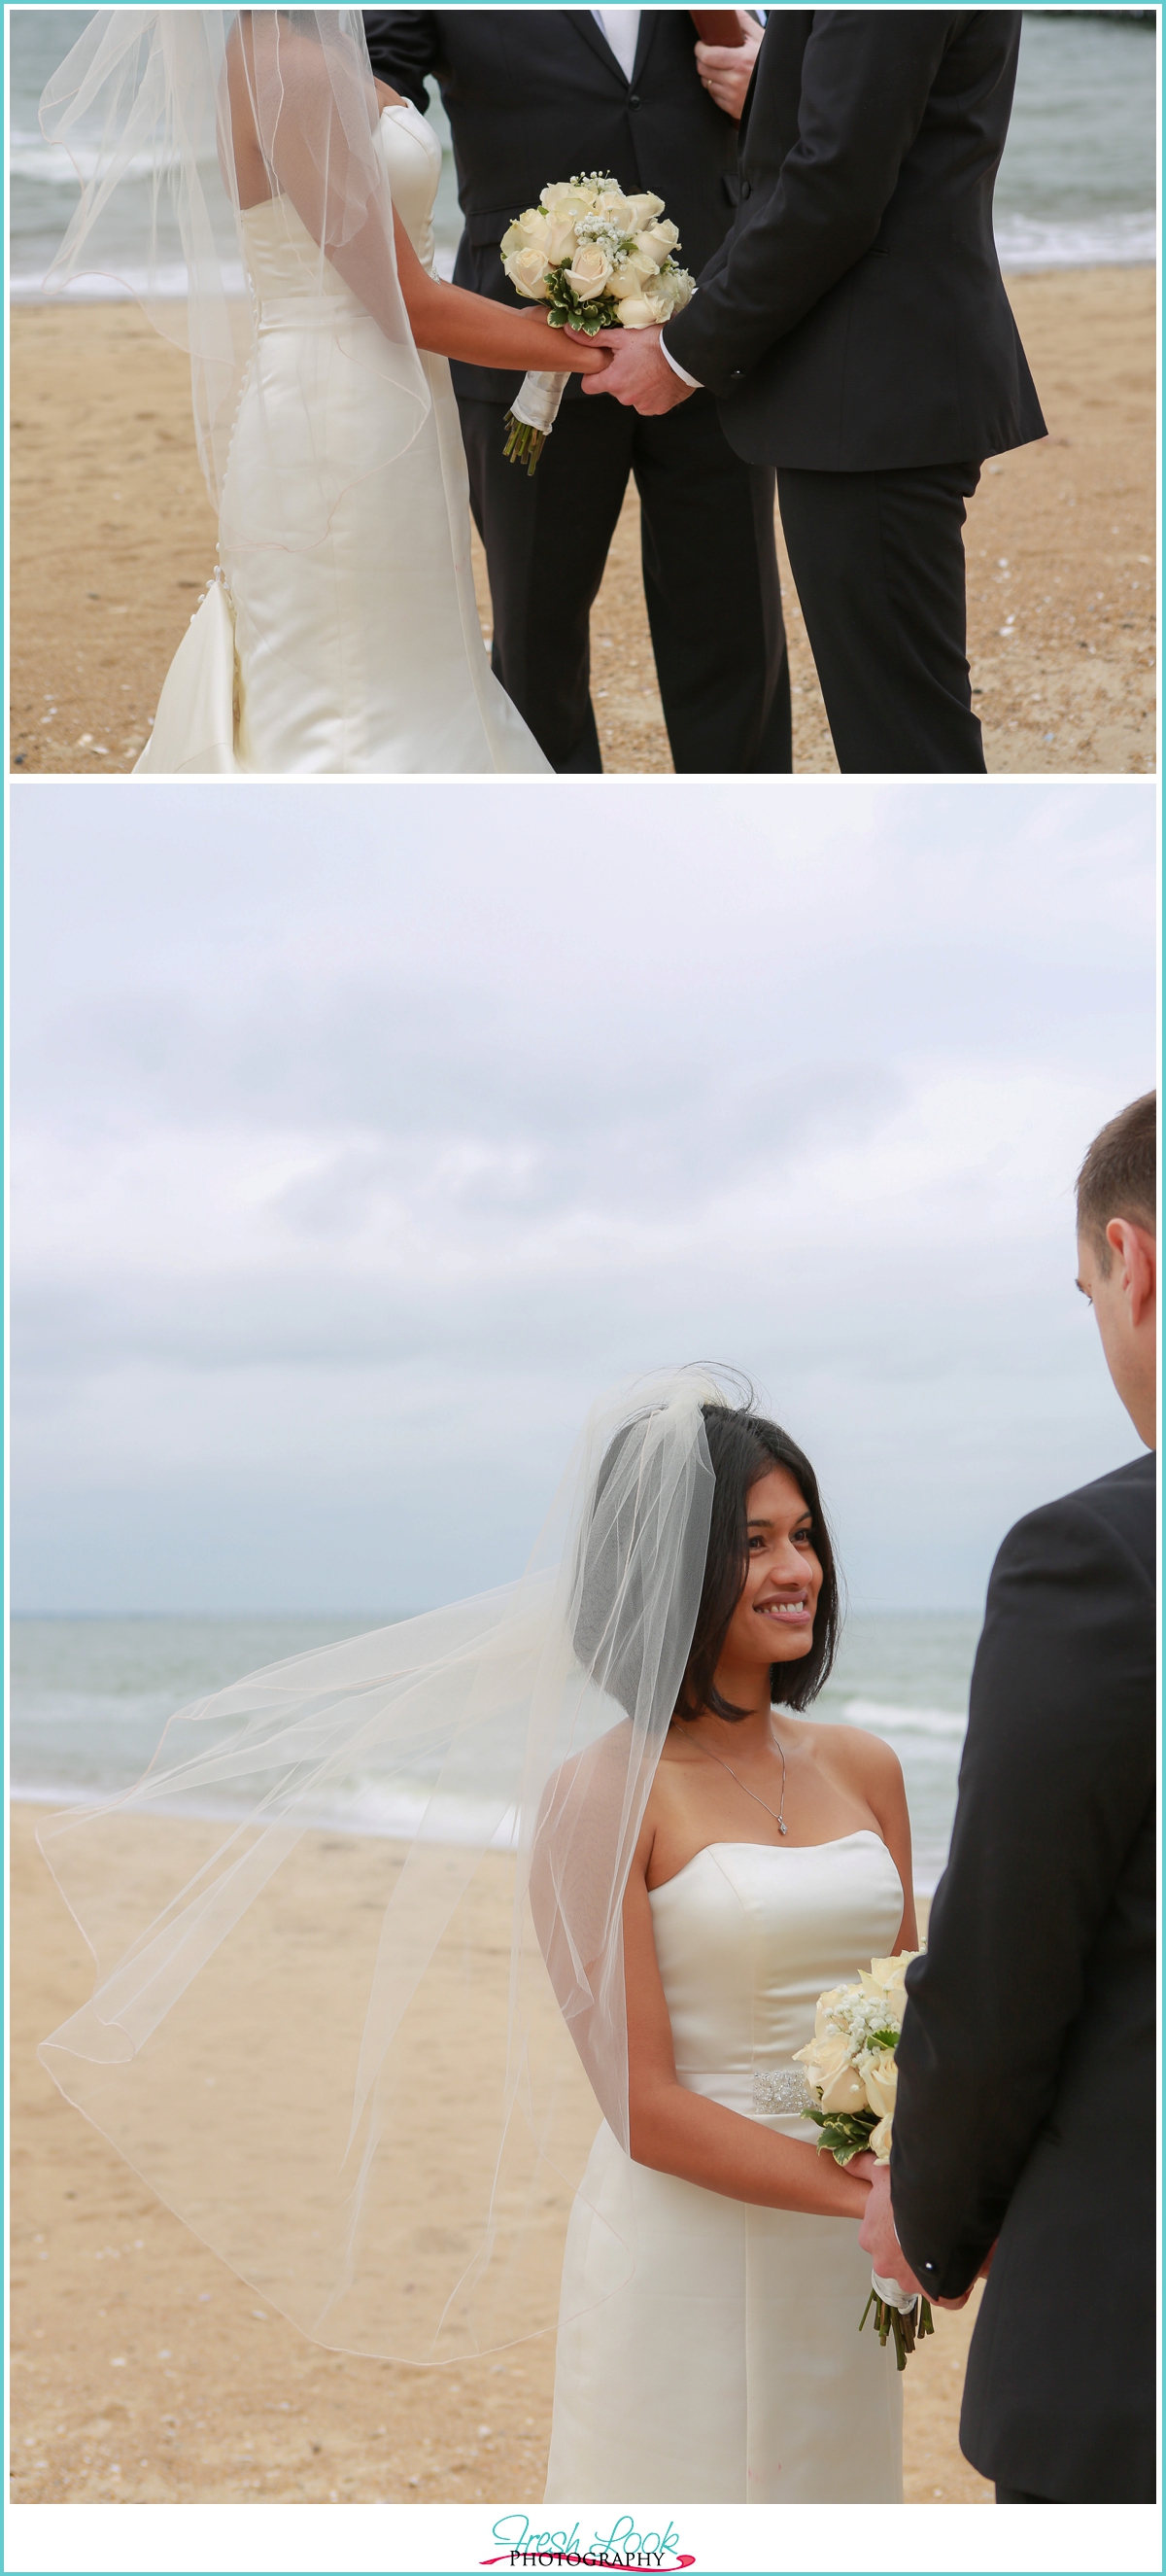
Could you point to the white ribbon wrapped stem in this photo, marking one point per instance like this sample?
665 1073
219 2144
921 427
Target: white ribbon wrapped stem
537 401
893 2294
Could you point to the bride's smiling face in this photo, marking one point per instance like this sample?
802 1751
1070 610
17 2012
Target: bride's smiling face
773 1622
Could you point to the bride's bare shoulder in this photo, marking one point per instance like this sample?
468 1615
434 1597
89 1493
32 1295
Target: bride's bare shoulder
856 1757
597 1770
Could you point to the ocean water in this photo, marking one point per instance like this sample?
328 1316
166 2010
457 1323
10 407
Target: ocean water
1077 185
90 1698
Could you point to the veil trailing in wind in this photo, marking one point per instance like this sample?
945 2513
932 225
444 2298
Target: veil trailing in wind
358 1929
181 123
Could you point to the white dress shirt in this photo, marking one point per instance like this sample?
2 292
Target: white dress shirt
622 30
680 371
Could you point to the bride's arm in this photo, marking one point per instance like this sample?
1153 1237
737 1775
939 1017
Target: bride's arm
682 2133
455 324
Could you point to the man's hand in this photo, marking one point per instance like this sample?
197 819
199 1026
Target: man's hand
878 2239
726 70
877 2233
639 373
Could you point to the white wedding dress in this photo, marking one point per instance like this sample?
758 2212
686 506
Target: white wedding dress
362 651
729 2368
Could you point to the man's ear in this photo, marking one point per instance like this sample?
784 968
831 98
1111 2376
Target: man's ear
1137 1251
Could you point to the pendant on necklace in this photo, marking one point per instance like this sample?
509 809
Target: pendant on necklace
780 1827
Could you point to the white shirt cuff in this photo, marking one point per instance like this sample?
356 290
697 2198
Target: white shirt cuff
680 371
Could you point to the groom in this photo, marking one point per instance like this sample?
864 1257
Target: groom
1024 2126
855 331
535 95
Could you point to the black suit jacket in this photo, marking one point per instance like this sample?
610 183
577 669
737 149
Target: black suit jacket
537 94
855 318
1027 2089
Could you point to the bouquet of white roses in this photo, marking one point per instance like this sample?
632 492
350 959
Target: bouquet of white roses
594 257
850 2065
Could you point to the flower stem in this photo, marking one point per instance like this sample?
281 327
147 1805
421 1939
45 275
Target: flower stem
524 445
904 2327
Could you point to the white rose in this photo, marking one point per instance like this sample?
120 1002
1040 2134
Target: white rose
613 203
561 241
659 241
530 231
889 1974
823 2059
565 203
589 271
844 2091
635 315
879 2141
526 269
631 274
659 297
643 210
880 2076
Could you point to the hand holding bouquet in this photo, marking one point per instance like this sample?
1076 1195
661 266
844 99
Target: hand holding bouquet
850 2065
594 257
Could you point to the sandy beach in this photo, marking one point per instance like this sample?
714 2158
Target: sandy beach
144 2371
113 540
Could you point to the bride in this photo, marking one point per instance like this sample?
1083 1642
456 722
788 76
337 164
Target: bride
341 632
773 1860
591 1864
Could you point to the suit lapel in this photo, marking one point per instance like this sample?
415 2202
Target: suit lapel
643 41
750 94
584 24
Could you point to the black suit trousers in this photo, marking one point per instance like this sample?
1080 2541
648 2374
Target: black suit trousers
878 559
710 578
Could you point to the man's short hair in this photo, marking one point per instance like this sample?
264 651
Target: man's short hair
1119 1176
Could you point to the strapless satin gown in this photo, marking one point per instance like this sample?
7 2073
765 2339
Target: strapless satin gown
729 2369
362 652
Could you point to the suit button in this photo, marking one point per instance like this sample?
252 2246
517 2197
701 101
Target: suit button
745 189
633 98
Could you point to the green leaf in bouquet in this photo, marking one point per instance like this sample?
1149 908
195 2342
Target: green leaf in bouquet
884 2039
845 2133
597 315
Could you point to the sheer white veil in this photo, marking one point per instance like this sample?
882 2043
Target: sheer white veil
180 123
353 2060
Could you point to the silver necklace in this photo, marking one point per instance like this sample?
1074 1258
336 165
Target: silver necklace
777 1813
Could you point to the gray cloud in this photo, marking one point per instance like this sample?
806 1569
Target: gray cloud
361 1137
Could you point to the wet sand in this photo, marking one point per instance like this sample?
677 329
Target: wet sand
144 2371
113 540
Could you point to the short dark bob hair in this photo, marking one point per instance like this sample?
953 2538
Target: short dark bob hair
743 1447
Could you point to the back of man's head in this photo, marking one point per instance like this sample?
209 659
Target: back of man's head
1118 1177
1117 1255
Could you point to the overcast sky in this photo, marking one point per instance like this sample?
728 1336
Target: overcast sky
362 1134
